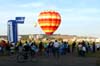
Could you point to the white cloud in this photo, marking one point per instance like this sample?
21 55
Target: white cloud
80 10
33 4
38 5
88 10
80 18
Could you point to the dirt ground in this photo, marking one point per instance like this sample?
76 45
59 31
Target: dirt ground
65 60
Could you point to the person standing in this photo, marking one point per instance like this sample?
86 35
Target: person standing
56 46
93 47
41 47
73 46
79 49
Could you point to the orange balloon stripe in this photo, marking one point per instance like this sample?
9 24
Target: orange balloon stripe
49 24
49 19
49 16
49 12
49 28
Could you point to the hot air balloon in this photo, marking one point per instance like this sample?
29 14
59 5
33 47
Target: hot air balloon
49 21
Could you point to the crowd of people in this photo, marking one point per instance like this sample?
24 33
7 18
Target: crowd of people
52 48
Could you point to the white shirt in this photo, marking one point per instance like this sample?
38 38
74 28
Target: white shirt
79 46
83 48
56 44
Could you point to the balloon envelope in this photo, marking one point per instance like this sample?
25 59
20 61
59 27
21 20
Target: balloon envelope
49 21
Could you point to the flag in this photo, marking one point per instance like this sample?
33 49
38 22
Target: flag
20 19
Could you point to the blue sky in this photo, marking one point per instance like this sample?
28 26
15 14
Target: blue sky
79 17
